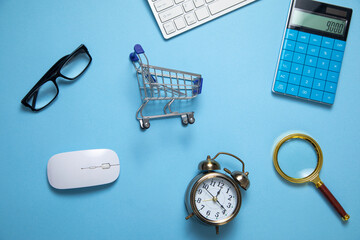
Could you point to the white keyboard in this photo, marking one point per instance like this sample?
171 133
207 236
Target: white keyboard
177 16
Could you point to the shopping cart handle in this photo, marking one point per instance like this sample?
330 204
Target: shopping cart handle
133 57
138 49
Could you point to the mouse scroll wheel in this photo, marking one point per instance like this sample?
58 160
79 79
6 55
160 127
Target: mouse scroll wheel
105 165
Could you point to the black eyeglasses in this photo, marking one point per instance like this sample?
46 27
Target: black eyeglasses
46 89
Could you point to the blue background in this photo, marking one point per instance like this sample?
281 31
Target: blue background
236 54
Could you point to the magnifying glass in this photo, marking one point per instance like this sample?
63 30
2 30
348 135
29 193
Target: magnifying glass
298 159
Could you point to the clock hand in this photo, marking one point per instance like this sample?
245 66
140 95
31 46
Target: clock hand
210 193
208 200
218 193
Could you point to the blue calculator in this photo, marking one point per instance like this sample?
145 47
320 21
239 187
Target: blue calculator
312 51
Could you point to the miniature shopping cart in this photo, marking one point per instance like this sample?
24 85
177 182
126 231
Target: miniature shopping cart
162 84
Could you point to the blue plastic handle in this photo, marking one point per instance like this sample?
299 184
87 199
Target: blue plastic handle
133 57
138 49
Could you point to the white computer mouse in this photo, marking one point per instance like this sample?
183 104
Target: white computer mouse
83 168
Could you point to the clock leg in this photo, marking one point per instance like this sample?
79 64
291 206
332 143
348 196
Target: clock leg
191 214
217 229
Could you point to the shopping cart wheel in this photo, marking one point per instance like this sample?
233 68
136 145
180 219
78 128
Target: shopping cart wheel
184 119
144 123
191 118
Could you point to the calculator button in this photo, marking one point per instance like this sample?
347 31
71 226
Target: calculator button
319 84
337 56
325 53
339 45
328 98
323 63
282 76
296 68
309 71
301 47
330 87
335 66
291 34
311 61
327 42
292 90
313 50
294 79
289 45
306 81
316 95
315 40
304 92
285 66
280 87
321 74
333 76
287 55
299 58
303 37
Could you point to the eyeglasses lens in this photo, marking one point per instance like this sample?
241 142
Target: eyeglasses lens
43 96
75 65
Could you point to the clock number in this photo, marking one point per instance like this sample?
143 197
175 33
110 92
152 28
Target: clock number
230 197
228 190
223 211
229 205
208 213
217 214
199 200
206 186
202 207
212 183
199 191
221 185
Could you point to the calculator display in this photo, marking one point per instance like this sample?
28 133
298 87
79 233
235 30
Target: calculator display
318 22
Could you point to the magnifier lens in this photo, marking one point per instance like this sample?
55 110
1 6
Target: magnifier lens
297 158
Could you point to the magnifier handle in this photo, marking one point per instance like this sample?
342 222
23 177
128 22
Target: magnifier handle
326 192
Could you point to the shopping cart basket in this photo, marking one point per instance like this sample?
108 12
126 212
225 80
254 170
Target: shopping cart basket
163 84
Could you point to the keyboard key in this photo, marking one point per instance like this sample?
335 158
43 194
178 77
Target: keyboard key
315 40
180 23
333 76
292 90
291 34
178 1
316 95
169 27
323 63
163 4
327 42
304 92
219 6
170 14
188 6
337 56
306 81
299 58
287 55
313 51
339 45
190 18
321 74
289 45
303 37
284 66
301 48
311 61
294 79
282 76
296 68
330 87
202 13
319 84
309 71
325 53
198 3
335 66
328 98
280 87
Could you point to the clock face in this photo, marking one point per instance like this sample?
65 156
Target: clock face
217 199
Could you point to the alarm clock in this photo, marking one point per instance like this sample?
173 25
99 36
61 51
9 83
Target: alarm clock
212 197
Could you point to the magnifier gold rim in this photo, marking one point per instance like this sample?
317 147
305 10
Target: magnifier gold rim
314 176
